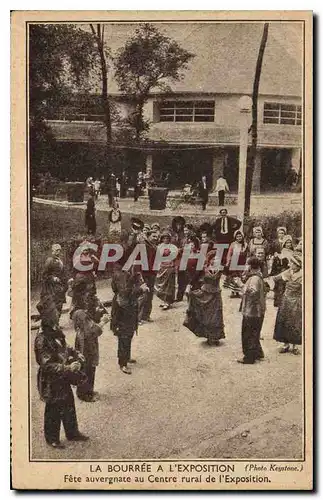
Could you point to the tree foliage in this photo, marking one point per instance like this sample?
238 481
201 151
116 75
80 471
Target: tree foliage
61 58
149 60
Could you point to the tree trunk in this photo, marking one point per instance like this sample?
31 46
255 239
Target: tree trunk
254 124
99 37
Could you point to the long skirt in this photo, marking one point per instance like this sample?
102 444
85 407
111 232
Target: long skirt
204 316
288 327
165 284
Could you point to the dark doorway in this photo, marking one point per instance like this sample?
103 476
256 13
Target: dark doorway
183 166
275 170
231 168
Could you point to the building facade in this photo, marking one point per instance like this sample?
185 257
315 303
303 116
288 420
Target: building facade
195 129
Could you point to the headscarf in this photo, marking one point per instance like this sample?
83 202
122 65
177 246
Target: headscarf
287 238
257 228
282 228
238 231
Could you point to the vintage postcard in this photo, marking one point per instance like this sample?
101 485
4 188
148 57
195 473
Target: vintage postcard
161 221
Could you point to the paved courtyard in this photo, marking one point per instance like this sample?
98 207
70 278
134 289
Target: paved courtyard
184 399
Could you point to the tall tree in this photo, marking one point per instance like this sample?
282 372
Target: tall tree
98 33
254 123
61 57
149 60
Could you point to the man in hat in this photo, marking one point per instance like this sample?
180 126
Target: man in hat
55 279
253 307
59 367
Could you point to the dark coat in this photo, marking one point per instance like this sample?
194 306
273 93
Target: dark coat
233 225
124 311
53 357
87 333
253 304
90 220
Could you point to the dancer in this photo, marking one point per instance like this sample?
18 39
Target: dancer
127 286
204 316
288 326
253 307
165 279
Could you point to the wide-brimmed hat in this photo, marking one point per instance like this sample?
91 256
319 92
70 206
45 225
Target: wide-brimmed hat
297 259
137 223
205 227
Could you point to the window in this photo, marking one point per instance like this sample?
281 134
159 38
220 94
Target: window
78 108
186 111
285 114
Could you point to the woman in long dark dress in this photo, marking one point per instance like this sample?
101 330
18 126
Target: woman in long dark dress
204 316
288 327
165 279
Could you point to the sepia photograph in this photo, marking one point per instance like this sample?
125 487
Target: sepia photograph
162 218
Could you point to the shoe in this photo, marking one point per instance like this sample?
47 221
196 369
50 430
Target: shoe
88 399
284 349
166 307
296 351
126 370
132 361
243 361
149 320
79 437
140 323
57 444
213 342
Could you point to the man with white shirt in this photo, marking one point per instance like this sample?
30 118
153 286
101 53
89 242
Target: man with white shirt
221 188
224 227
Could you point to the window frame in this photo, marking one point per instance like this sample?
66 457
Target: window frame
165 116
275 114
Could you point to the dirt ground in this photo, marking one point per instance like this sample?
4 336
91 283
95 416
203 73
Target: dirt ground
184 399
